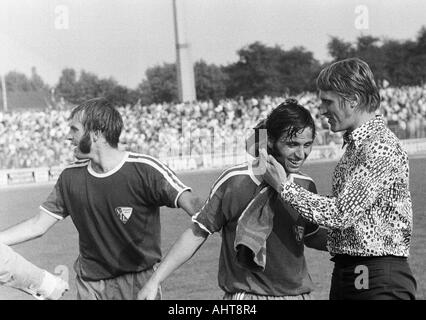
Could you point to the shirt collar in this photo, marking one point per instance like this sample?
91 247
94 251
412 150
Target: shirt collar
365 131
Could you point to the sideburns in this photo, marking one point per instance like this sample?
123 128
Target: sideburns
85 143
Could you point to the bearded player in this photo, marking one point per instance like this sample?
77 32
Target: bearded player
113 198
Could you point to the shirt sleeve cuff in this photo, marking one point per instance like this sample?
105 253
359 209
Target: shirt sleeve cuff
313 232
202 226
179 194
56 216
289 190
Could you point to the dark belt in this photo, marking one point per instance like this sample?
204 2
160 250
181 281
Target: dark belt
345 259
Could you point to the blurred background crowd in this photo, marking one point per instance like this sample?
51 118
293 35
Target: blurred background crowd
38 138
33 129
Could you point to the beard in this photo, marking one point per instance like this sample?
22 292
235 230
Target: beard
276 154
274 151
85 144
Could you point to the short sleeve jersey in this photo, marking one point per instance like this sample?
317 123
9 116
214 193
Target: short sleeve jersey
285 271
116 213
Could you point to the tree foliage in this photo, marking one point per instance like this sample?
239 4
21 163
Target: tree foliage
398 62
260 70
17 81
89 85
67 85
210 81
263 70
160 84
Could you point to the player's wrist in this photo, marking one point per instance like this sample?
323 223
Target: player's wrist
51 287
155 281
281 188
283 184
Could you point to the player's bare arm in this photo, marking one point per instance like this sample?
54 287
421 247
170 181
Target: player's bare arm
27 230
317 240
183 249
189 202
19 273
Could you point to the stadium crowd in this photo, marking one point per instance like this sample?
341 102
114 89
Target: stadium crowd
38 138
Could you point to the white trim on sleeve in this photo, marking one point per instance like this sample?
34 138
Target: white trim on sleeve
56 216
168 176
313 232
200 224
179 194
291 176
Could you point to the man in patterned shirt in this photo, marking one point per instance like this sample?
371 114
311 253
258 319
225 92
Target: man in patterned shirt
114 198
369 214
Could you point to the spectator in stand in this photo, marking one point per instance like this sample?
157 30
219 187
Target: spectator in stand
159 131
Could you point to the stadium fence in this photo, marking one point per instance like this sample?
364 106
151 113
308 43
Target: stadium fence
10 177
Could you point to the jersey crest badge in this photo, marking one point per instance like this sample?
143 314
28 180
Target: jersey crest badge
299 232
124 213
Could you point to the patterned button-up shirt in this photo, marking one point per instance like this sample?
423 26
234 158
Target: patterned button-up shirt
369 212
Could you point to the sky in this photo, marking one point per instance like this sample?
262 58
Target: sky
122 38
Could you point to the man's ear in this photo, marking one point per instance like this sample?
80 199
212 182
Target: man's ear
96 135
270 144
355 102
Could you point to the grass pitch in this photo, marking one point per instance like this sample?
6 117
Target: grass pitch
198 278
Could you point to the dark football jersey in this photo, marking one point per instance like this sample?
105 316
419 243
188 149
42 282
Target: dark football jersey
116 213
285 271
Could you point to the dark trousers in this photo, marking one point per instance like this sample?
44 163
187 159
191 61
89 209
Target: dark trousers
372 278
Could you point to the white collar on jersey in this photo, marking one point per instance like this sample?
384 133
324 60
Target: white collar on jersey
110 172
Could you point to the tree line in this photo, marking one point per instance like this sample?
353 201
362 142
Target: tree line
260 70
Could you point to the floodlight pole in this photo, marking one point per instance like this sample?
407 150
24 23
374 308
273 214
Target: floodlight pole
177 44
3 90
184 67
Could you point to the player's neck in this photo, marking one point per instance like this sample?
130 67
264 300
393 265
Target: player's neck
361 118
107 159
